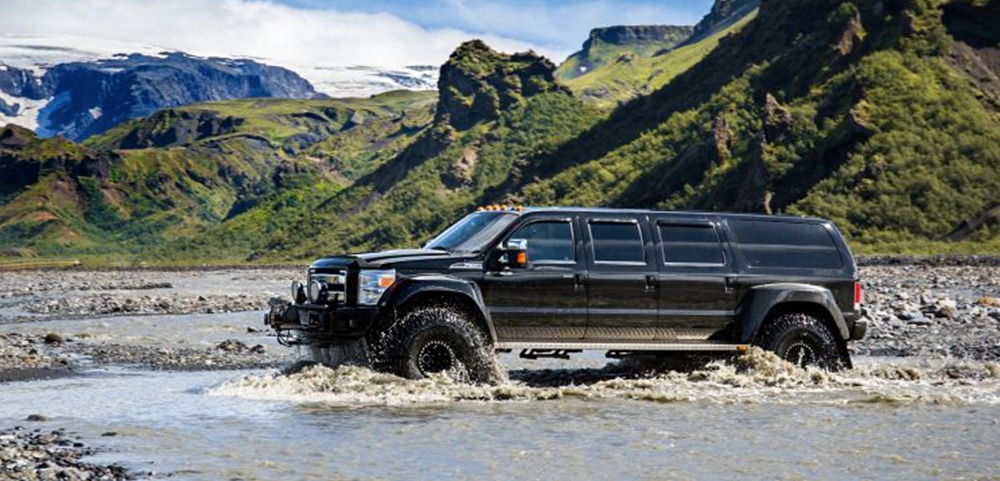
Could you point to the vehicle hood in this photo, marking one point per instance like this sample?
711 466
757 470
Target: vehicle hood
392 259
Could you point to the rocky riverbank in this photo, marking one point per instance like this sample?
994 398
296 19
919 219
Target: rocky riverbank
41 455
932 310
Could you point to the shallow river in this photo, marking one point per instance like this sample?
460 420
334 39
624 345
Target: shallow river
890 419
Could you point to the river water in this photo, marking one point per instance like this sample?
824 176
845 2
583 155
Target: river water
888 419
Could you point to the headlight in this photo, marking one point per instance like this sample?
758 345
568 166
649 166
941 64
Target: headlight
297 292
317 292
372 284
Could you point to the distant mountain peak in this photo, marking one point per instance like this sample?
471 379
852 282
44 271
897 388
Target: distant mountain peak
607 44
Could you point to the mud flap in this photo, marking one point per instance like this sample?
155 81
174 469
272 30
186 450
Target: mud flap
349 353
845 355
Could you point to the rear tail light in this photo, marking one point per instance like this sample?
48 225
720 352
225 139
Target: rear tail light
857 296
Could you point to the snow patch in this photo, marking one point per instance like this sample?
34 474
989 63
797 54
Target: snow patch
363 80
28 114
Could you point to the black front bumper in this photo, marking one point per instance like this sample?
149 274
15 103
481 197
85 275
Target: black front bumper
318 322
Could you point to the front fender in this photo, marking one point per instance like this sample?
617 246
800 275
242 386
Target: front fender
762 299
408 289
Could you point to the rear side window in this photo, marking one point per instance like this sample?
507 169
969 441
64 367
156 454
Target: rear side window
548 241
691 244
786 244
617 242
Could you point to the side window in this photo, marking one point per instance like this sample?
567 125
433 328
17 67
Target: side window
786 244
617 242
548 241
691 244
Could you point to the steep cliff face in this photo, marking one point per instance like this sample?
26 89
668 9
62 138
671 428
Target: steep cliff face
80 99
477 83
91 98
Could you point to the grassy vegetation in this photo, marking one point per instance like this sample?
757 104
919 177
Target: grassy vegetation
627 73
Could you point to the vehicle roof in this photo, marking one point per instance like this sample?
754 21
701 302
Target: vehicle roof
728 215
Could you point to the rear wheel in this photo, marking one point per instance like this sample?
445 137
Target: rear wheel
800 339
436 339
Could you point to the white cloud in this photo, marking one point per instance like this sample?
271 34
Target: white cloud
261 29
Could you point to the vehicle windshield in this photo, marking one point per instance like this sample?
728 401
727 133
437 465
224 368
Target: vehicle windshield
473 232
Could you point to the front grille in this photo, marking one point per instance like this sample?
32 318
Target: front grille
336 282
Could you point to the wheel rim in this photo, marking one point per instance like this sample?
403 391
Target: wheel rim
801 353
435 356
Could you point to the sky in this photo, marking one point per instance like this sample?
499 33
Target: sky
341 32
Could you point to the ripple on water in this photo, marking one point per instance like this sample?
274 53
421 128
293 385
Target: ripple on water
757 377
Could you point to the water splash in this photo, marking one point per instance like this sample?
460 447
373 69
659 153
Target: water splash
756 377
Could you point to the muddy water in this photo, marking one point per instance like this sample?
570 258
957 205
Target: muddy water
913 419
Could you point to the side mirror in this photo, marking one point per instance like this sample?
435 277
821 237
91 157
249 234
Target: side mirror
517 253
512 255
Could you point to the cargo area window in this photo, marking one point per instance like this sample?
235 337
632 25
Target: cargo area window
617 242
691 244
548 241
786 245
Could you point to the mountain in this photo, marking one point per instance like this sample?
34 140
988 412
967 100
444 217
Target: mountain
76 87
182 170
494 110
80 99
882 116
638 70
617 44
617 64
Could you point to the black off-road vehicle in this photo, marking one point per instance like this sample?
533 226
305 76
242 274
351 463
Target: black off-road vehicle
553 281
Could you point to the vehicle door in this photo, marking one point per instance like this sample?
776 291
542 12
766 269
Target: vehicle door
548 298
621 278
697 295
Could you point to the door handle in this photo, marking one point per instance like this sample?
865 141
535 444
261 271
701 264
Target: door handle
650 283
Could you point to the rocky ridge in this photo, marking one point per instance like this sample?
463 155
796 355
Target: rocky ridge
86 98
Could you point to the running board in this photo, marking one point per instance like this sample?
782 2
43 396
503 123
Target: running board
622 346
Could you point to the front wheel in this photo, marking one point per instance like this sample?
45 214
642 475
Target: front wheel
800 339
433 339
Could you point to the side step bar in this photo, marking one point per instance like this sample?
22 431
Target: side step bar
573 345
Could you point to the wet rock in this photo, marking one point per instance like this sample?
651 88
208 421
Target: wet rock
53 338
37 418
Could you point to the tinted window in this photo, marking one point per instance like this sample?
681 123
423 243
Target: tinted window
548 241
786 244
691 244
617 242
472 232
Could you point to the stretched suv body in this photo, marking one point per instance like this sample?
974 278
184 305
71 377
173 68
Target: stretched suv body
550 281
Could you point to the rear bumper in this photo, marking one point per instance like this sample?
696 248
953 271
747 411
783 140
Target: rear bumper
319 323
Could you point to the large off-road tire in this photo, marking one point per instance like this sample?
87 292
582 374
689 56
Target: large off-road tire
434 339
800 339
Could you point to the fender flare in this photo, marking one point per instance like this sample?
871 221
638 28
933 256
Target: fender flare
762 299
408 288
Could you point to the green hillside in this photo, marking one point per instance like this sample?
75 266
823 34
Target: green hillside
881 117
180 171
629 72
495 110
